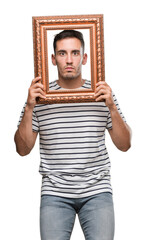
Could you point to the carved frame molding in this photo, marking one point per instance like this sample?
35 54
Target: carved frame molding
40 27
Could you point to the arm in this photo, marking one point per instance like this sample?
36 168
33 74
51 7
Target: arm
25 137
120 132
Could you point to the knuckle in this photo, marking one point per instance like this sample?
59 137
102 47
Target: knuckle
33 81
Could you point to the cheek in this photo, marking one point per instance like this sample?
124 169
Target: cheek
78 62
60 64
79 65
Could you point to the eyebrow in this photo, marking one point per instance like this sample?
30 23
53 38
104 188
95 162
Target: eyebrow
76 50
62 50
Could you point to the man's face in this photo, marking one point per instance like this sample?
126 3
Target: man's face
69 58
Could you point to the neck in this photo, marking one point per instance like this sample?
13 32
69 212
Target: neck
71 83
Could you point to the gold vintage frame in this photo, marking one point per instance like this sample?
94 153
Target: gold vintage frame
95 25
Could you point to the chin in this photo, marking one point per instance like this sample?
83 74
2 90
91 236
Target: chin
69 77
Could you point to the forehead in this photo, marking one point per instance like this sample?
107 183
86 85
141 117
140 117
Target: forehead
68 44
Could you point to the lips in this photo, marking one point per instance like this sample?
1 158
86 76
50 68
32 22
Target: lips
69 68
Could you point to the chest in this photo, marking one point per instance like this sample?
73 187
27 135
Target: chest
72 118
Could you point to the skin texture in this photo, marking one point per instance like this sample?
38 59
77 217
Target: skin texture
69 58
24 137
120 132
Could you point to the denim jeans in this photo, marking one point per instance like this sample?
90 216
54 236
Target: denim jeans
96 216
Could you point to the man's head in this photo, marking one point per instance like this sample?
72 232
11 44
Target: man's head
69 54
69 34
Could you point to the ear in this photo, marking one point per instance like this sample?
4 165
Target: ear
53 59
84 59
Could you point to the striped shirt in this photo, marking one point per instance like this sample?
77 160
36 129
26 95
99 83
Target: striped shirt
74 159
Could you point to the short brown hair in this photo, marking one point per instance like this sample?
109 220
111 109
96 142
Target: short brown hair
69 34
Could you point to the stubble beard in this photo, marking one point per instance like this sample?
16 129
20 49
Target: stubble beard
70 76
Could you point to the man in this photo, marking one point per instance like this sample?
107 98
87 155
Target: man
75 165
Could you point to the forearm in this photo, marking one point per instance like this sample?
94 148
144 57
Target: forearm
120 132
25 137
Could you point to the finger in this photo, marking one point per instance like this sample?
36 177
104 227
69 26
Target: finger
36 95
39 90
35 88
100 87
101 97
97 99
100 92
38 85
101 83
37 79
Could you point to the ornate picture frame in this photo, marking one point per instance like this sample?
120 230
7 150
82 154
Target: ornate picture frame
42 26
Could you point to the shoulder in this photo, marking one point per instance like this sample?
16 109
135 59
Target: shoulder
53 85
87 84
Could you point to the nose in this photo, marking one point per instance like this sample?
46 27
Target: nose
69 58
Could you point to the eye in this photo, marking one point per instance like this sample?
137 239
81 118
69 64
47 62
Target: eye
61 53
76 53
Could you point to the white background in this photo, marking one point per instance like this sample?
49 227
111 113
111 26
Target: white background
125 68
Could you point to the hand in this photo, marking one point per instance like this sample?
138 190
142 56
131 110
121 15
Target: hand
104 92
36 90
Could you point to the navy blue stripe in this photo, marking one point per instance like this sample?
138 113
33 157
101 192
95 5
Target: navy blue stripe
62 138
73 136
75 127
79 188
76 106
94 121
83 180
62 117
75 158
75 163
57 88
34 120
58 133
73 112
34 125
73 182
71 168
86 87
51 149
76 173
49 160
70 193
54 154
64 143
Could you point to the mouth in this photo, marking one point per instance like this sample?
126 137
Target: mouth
69 68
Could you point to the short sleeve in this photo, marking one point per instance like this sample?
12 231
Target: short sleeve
35 125
109 120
